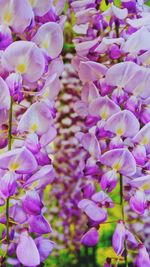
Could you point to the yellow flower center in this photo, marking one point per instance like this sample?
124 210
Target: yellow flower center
104 115
7 17
21 68
34 127
117 166
46 93
45 44
14 166
119 131
33 2
145 187
145 140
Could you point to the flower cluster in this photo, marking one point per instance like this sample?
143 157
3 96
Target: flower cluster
112 60
67 184
31 41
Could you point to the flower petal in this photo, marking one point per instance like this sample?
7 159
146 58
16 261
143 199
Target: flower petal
49 37
90 238
27 252
119 123
121 160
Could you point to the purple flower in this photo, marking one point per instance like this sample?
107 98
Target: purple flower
121 160
109 180
138 202
25 58
90 71
8 184
32 203
90 238
38 224
94 212
103 107
90 143
133 44
18 160
37 119
119 123
119 238
49 37
12 15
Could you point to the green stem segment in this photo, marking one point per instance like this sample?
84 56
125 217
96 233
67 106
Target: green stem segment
9 148
123 218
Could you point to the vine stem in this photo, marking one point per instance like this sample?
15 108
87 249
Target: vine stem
123 218
9 148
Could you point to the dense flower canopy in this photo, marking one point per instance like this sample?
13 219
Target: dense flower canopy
74 129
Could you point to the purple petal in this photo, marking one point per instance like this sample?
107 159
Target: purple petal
140 40
109 180
139 153
42 177
106 43
91 144
4 95
45 247
8 184
141 182
143 257
32 203
143 136
121 160
95 213
88 190
49 37
12 15
131 239
25 58
36 119
17 213
20 160
89 92
27 252
120 13
119 123
90 238
138 202
119 238
103 107
91 71
40 8
102 198
120 74
38 224
6 37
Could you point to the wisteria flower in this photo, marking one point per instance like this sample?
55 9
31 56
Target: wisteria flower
25 58
49 37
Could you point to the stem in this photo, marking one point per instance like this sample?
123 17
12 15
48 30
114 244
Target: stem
117 28
123 218
9 148
94 256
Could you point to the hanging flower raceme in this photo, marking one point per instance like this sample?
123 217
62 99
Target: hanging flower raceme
31 44
66 190
113 66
